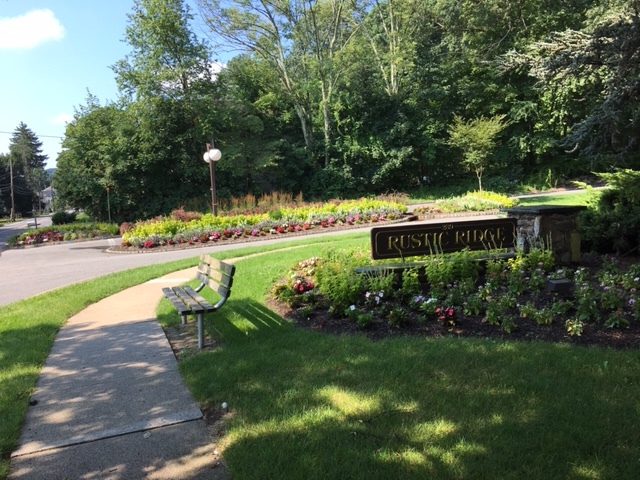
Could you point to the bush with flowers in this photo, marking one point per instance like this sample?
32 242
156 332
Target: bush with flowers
470 202
503 297
60 233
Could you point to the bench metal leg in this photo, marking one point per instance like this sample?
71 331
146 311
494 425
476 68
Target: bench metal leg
200 332
184 319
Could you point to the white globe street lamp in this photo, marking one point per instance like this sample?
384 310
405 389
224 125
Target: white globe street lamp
211 156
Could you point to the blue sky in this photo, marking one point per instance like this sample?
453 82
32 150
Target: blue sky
51 53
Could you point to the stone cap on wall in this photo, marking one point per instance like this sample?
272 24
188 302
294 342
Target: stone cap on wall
546 209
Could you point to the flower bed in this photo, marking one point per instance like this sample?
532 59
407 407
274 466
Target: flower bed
452 296
471 202
207 228
63 233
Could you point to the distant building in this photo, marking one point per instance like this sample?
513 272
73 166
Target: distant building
46 197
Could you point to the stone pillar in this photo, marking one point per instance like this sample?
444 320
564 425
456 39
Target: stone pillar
549 226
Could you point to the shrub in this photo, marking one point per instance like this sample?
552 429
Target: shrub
337 279
471 202
183 216
613 223
63 218
125 227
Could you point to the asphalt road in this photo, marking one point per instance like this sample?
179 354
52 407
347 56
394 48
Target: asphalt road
29 271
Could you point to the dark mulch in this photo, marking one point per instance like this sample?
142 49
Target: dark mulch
471 326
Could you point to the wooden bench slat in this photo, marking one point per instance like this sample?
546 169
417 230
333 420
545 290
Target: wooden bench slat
215 283
206 306
177 302
216 264
217 275
188 300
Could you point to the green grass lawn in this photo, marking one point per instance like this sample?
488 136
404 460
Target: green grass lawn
581 197
312 405
315 406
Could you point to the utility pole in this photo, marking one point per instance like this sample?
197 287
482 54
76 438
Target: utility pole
13 202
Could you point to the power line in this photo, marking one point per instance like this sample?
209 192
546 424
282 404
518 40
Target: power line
43 136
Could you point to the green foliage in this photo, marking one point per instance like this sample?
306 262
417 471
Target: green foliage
542 316
477 140
397 317
342 100
470 202
339 100
22 171
63 218
586 78
359 317
454 284
411 284
338 281
382 281
613 223
574 326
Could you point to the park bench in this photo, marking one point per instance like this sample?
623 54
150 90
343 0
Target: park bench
212 273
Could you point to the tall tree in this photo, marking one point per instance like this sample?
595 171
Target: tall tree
98 150
389 28
325 29
589 79
167 59
171 77
301 40
27 164
5 183
26 151
265 29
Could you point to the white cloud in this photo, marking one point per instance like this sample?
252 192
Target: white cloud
61 119
29 30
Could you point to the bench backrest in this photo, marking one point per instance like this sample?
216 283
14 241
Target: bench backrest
215 274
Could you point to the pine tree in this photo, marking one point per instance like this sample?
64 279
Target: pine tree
27 166
26 151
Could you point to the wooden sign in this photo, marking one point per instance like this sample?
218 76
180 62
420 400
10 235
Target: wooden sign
431 238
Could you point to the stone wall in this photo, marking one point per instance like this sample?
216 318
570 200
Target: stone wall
554 227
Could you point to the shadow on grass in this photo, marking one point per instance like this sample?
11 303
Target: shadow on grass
312 405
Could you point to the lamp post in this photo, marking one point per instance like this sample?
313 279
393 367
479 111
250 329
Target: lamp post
211 156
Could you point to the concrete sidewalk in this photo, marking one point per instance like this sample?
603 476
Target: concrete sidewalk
110 402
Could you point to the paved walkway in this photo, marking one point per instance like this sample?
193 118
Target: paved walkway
110 402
